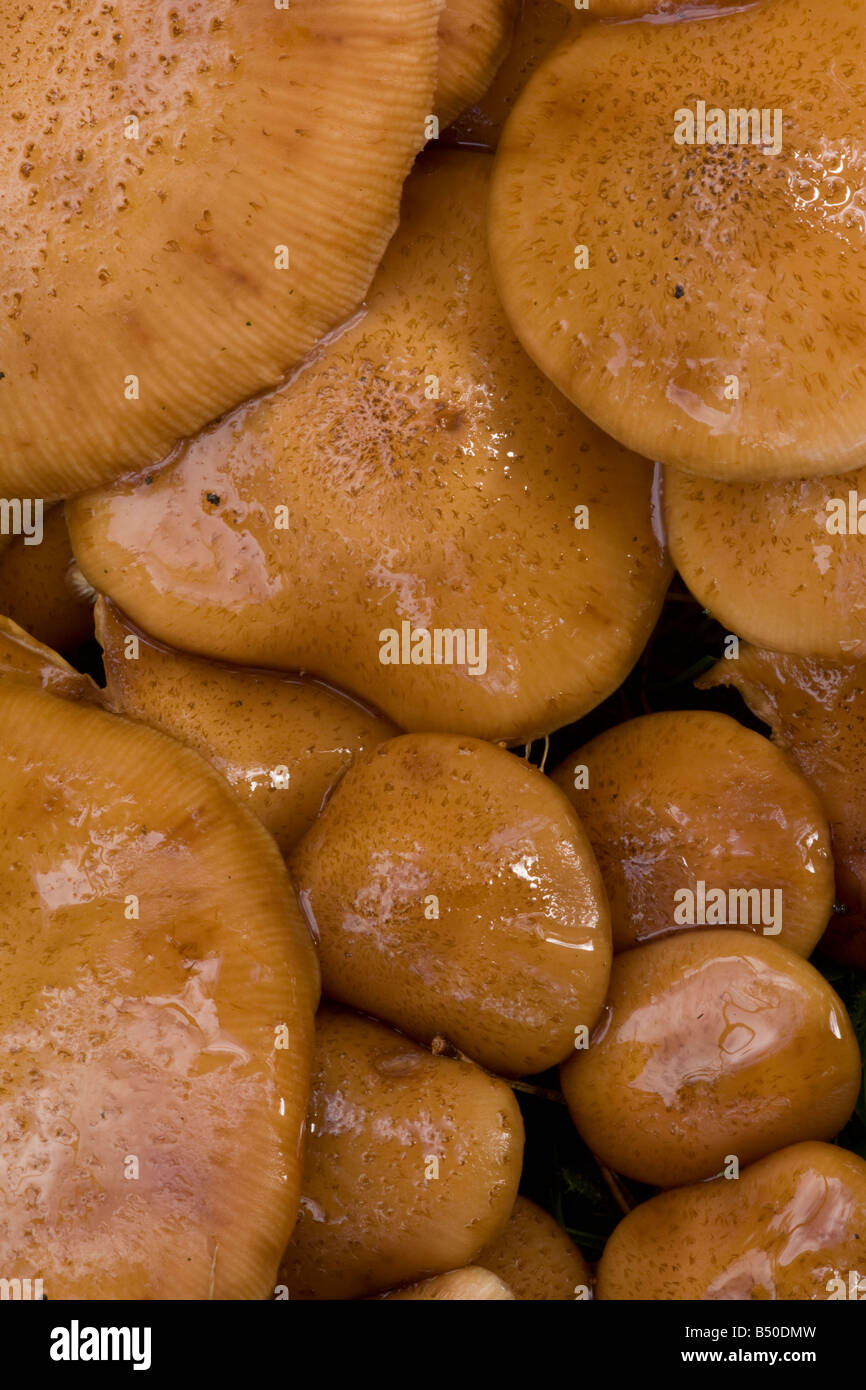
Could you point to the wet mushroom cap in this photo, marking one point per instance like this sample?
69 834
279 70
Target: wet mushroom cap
536 1258
817 713
25 659
783 565
281 741
35 589
223 205
470 1284
705 303
153 949
461 548
452 891
685 797
713 1043
790 1228
411 1163
473 39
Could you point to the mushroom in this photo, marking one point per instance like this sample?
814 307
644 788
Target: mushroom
474 36
452 891
790 1228
411 1165
156 1015
280 741
676 233
632 9
817 713
221 203
536 1258
715 1049
783 565
469 1284
696 820
418 518
35 590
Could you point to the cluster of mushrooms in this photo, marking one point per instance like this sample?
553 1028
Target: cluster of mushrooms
370 367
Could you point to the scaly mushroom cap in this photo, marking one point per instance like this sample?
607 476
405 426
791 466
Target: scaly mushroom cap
671 800
473 39
150 1122
470 1284
703 303
430 478
452 891
192 195
280 741
35 590
817 712
782 565
411 1163
713 1044
536 1258
790 1228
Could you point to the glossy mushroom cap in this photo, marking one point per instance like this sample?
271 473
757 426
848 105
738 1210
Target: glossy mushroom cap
470 1284
474 36
687 798
411 1163
536 1258
191 197
23 658
817 712
705 303
153 952
35 588
452 891
791 1227
783 565
713 1044
431 482
282 742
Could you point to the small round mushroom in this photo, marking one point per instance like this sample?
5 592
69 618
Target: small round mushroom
790 1228
35 591
817 713
469 1284
474 36
191 199
453 892
156 1015
282 742
536 1258
418 518
676 233
695 821
411 1163
714 1046
783 565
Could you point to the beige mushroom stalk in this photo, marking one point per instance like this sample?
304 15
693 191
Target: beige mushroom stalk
677 234
419 517
191 198
471 1284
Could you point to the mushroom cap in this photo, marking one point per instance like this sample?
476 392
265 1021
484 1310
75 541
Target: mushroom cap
452 891
535 1257
152 944
713 1043
474 36
632 9
24 658
411 1163
817 713
762 560
692 796
406 514
792 1222
35 590
153 251
280 741
469 1284
720 321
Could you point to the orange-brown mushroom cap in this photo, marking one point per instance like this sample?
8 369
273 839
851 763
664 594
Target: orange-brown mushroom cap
420 483
536 1258
192 195
36 590
696 283
156 1016
473 38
